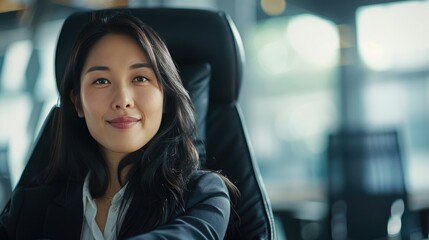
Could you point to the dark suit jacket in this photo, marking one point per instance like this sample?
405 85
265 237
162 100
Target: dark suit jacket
56 212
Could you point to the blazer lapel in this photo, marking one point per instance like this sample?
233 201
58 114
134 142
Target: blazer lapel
65 214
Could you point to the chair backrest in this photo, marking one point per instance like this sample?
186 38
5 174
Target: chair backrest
195 37
366 184
365 162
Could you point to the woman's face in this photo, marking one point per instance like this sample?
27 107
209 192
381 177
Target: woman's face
121 100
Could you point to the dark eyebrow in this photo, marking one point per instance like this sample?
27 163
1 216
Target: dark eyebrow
104 68
97 68
140 65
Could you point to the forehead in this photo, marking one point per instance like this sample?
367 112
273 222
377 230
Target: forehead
116 46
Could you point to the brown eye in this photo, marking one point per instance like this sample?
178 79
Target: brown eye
101 81
140 79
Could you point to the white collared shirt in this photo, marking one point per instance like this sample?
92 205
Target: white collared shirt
90 229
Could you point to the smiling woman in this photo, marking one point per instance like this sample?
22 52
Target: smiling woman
120 100
123 163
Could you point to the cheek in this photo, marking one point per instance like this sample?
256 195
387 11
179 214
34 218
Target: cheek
151 104
92 103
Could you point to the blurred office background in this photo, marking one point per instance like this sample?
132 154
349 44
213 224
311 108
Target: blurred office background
329 86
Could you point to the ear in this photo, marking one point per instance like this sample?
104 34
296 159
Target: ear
76 103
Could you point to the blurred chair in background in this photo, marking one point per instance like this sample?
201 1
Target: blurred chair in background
367 192
5 183
424 222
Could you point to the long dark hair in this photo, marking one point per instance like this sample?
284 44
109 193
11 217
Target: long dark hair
160 171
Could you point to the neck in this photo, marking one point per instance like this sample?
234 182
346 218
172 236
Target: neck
114 186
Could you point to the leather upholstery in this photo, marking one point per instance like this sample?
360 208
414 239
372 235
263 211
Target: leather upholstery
196 37
196 79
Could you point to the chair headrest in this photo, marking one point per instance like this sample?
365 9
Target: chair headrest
192 36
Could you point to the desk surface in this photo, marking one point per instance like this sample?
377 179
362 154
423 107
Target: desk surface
309 202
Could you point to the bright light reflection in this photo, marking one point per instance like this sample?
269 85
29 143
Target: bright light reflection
274 57
46 84
307 116
394 36
15 112
314 39
385 104
15 63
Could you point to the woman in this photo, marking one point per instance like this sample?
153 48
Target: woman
124 164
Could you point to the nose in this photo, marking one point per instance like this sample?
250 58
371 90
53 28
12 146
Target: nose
123 98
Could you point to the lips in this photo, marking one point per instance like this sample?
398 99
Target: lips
123 122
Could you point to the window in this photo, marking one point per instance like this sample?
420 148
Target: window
289 100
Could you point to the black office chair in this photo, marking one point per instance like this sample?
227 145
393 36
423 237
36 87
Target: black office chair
367 191
206 46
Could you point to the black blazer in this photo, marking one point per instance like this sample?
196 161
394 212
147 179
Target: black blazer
56 212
